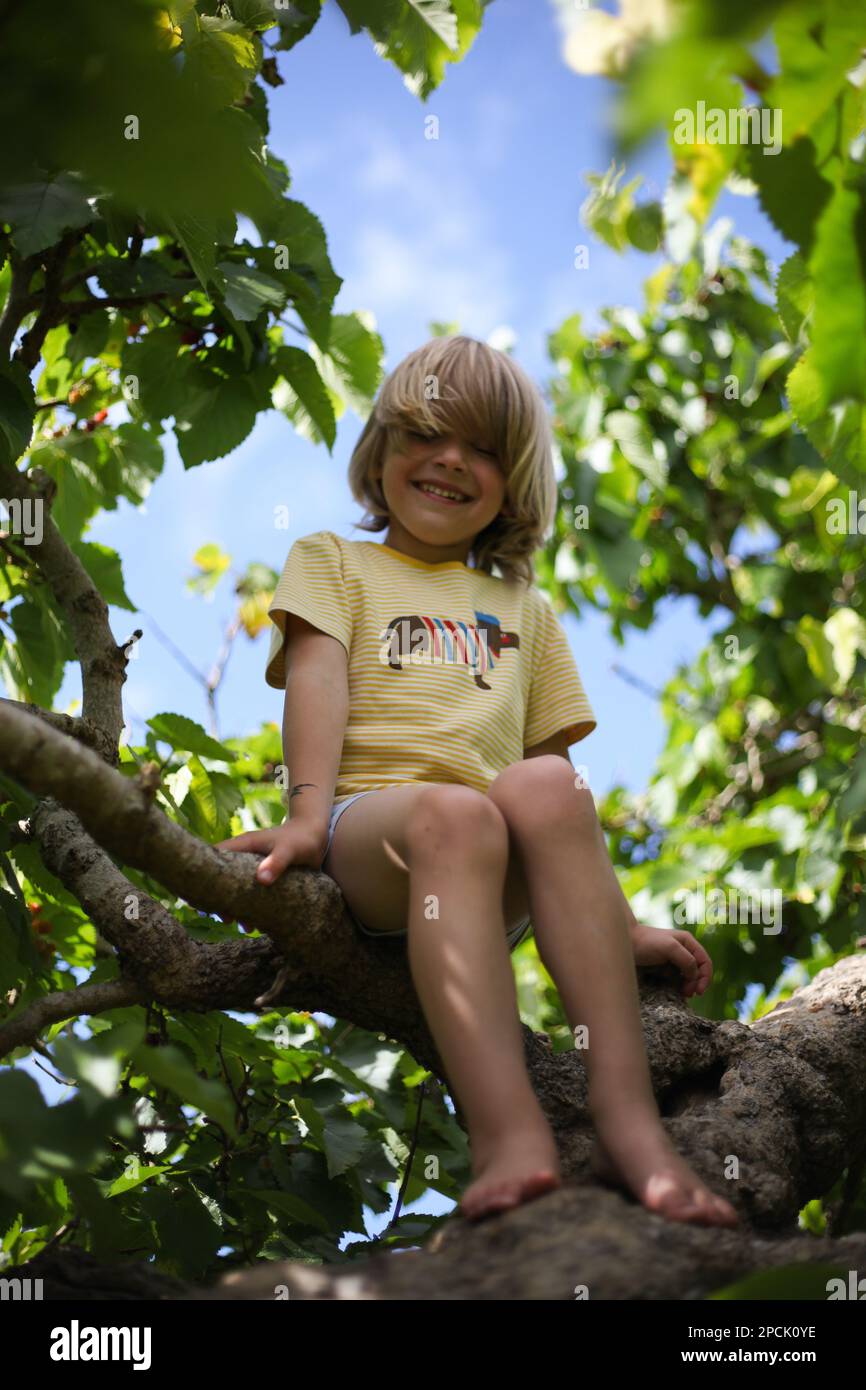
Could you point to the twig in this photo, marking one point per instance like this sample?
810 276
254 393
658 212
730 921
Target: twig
422 1091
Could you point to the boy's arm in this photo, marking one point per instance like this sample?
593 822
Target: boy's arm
315 714
555 744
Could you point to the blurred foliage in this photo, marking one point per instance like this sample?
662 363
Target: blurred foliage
800 66
713 447
685 476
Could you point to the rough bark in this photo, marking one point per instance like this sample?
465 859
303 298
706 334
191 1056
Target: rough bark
103 662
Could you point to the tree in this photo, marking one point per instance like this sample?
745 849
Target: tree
266 1138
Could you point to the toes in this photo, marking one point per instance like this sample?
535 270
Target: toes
508 1193
487 1206
540 1183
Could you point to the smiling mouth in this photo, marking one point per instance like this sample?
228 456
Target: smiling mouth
442 494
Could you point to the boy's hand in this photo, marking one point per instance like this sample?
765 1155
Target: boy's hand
660 946
299 842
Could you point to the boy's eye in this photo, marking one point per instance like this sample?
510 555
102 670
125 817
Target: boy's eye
428 438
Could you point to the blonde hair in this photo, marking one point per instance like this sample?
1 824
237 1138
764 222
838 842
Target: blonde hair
484 397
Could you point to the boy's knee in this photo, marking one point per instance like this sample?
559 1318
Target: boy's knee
537 792
457 818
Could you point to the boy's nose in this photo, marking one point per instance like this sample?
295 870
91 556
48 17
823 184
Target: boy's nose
449 451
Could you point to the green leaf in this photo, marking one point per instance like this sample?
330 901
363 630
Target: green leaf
302 395
814 60
42 646
794 295
352 366
792 827
299 1212
607 208
90 338
635 441
184 733
211 802
144 1173
776 175
134 460
159 373
40 212
839 327
852 802
418 36
167 1066
336 1133
104 567
261 14
19 958
72 463
644 227
17 410
98 1063
798 1282
295 21
41 1142
198 236
213 563
144 276
217 414
292 225
220 60
247 293
831 647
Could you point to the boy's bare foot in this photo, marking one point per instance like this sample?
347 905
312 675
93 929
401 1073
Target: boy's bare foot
521 1166
645 1161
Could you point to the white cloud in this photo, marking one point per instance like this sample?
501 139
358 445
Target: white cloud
436 256
383 167
416 275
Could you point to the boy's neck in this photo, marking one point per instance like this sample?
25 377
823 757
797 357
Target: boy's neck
398 538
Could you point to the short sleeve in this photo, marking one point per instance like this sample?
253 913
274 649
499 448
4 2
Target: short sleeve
557 701
313 586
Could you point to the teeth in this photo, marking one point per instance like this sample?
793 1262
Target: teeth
441 492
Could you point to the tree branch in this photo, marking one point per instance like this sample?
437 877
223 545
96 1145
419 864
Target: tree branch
87 999
103 663
48 301
73 726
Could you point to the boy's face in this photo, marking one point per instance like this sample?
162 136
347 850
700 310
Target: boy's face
432 522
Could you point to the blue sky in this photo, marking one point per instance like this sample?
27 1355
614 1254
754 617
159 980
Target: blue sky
477 227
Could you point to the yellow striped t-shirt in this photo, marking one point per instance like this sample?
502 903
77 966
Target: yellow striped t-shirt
453 673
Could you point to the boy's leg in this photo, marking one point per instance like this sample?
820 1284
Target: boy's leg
368 858
455 846
580 920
